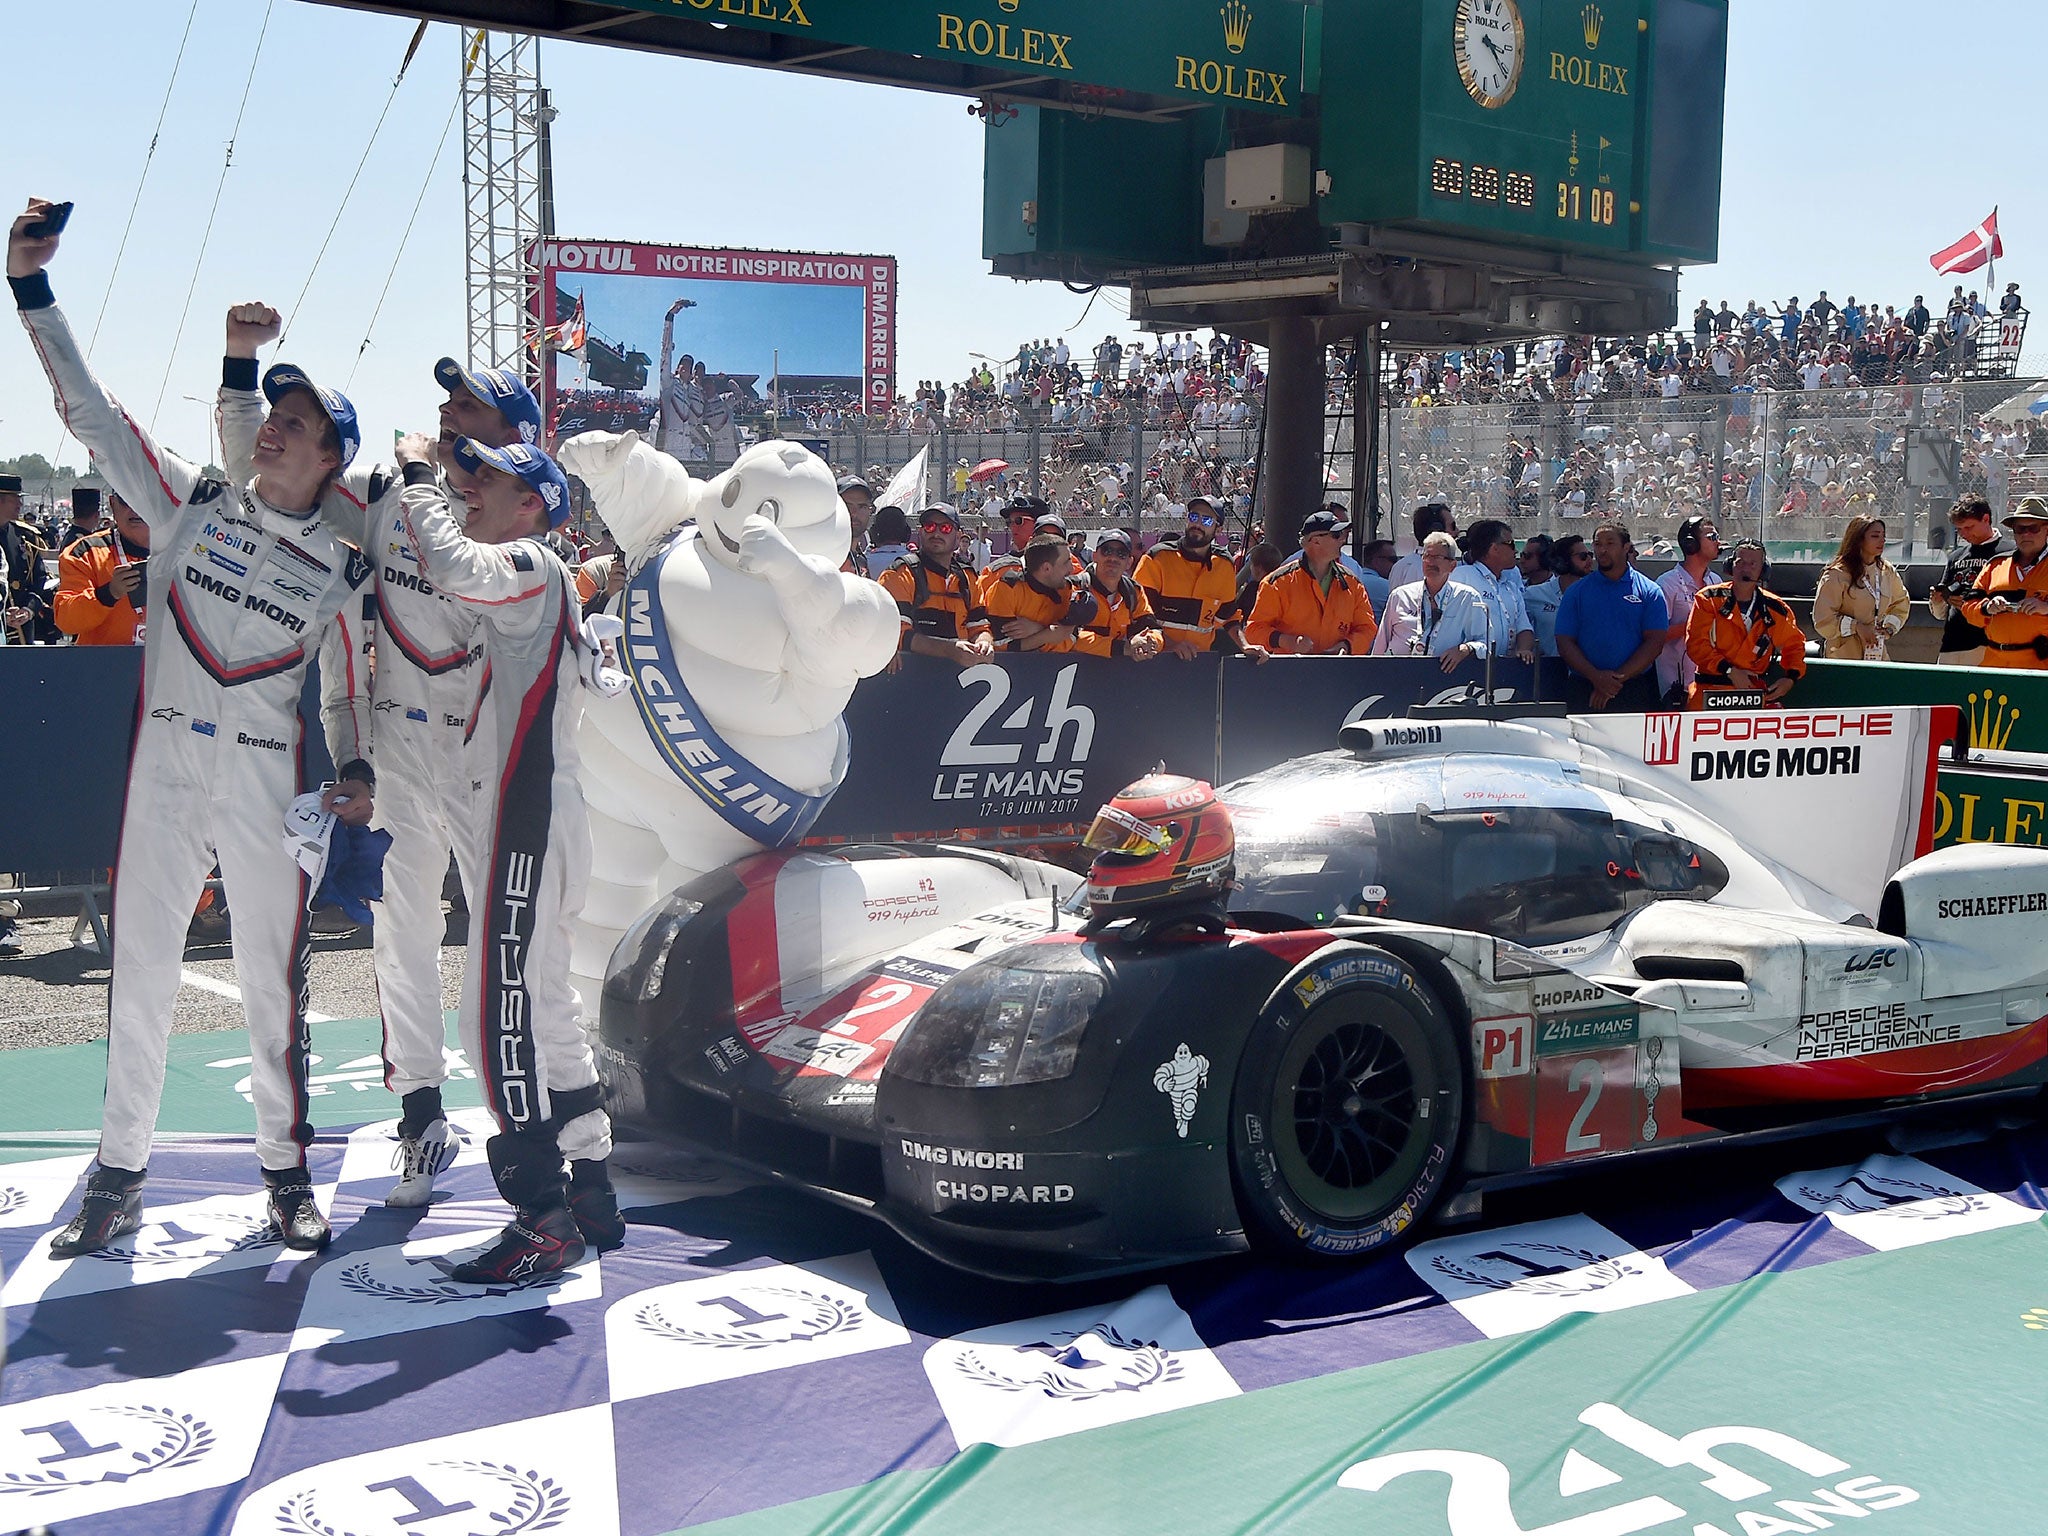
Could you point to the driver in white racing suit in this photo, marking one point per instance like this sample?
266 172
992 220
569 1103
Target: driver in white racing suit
521 1020
250 580
411 729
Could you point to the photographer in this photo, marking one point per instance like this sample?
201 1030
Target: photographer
2011 596
1978 543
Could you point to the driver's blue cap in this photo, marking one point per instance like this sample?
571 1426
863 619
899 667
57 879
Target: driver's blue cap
500 389
286 377
539 472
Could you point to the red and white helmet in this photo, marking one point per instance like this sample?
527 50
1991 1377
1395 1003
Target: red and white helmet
1163 841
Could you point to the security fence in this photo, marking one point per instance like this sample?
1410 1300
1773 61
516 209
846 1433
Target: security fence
1788 467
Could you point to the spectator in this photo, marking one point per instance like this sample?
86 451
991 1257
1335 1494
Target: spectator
1260 561
891 534
1699 546
1431 616
26 605
1430 517
1862 601
1610 627
942 613
1193 590
1490 554
1740 637
859 500
1315 607
1378 561
1038 605
1568 560
1124 624
2014 606
102 580
1977 544
86 518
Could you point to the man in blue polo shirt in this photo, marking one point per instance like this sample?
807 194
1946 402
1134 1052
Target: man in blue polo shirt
1610 627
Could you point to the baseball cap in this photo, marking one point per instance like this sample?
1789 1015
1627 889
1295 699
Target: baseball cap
1051 522
2032 509
847 483
10 485
283 378
534 468
939 515
499 389
1114 536
1323 520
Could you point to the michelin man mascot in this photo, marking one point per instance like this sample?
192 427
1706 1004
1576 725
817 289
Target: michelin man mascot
744 640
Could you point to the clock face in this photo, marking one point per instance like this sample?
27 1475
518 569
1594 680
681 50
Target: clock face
1489 46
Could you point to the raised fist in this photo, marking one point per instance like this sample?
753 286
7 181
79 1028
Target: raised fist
251 326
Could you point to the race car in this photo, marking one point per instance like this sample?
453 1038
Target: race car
1461 953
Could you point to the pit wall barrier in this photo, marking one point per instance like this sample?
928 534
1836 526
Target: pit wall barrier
1027 742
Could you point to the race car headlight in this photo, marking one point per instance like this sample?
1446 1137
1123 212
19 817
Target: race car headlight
640 962
999 1023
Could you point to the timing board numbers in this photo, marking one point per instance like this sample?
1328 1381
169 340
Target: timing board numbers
1517 189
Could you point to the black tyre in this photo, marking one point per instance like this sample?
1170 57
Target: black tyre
1349 1110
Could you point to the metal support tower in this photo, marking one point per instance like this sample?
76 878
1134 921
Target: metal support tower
507 194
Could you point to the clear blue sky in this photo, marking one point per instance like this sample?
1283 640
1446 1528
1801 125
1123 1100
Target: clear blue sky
1856 145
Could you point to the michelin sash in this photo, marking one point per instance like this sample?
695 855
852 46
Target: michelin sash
747 799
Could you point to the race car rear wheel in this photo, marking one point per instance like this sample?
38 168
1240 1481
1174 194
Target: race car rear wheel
1349 1107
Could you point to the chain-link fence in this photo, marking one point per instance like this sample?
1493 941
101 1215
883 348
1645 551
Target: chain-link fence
1788 467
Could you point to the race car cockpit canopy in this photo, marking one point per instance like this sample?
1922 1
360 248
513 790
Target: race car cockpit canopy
1520 850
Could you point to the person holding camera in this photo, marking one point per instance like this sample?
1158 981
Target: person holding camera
1978 543
101 597
2011 596
1744 642
251 579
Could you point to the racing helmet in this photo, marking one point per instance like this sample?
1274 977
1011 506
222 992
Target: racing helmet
1165 841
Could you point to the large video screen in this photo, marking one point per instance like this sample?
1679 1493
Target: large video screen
692 346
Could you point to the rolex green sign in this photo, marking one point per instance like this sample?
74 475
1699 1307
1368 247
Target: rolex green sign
2004 711
1241 53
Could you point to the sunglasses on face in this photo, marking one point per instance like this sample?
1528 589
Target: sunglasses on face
1201 519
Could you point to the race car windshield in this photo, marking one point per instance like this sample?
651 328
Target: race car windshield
1534 873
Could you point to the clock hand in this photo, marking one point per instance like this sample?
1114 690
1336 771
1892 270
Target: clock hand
1493 48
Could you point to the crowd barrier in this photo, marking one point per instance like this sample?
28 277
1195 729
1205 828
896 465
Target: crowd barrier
1027 742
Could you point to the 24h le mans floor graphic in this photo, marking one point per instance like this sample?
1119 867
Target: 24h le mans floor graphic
1751 1347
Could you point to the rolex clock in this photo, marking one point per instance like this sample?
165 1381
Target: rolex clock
1488 41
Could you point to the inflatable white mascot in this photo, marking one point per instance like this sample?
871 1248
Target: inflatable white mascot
744 640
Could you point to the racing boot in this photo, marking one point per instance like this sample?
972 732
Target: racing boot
594 1205
294 1213
111 1208
425 1147
541 1240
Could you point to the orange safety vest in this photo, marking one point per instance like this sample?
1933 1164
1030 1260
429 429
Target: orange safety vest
1192 596
1012 596
1293 602
2014 640
935 602
1120 612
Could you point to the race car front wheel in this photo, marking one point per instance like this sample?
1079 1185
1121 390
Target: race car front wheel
1348 1109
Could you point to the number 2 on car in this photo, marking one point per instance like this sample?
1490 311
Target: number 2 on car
1585 1105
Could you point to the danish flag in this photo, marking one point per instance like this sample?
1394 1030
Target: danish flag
1973 250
